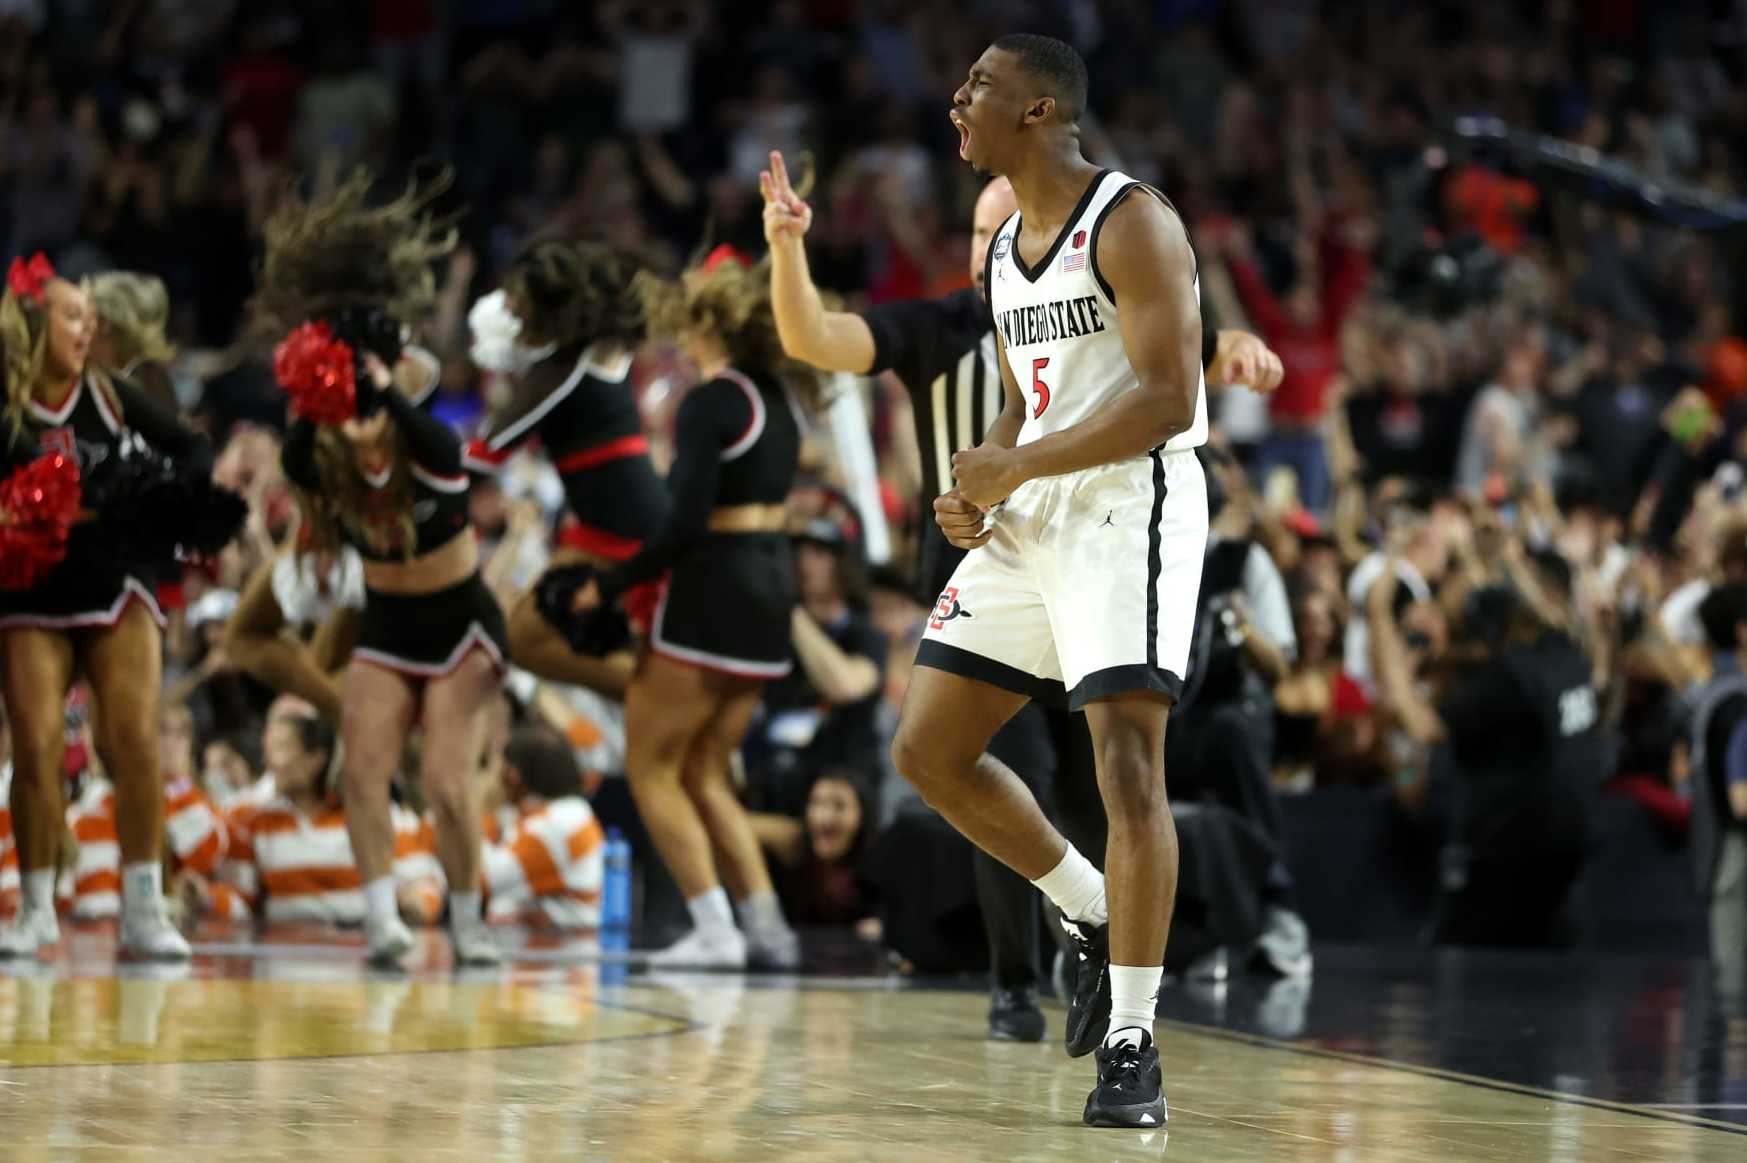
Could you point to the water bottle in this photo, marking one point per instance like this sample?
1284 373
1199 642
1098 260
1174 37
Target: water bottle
616 883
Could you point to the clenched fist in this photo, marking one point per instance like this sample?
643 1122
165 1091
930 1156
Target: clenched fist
960 521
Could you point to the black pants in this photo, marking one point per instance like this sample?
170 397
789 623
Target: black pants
1511 900
1224 754
1051 751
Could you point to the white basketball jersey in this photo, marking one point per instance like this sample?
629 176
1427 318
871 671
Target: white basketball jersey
1057 319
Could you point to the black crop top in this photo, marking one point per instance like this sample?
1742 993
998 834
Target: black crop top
87 428
581 407
439 483
736 443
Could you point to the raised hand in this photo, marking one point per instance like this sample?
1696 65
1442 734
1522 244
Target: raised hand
786 216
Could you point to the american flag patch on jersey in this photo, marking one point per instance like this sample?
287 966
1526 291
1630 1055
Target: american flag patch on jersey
1075 261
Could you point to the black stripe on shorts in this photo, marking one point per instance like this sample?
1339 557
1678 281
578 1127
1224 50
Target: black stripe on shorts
967 664
1154 563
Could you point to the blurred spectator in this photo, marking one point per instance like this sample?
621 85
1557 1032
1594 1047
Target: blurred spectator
1719 774
546 866
1304 327
51 167
291 857
344 113
819 859
1528 748
1322 729
1420 563
656 43
229 762
197 839
825 714
1498 439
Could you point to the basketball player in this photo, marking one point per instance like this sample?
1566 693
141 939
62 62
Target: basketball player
943 351
1088 511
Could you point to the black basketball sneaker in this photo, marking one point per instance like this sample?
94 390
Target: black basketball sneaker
1130 1090
1089 1008
1014 1016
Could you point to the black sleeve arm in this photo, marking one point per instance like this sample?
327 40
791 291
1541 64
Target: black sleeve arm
297 455
1677 472
709 419
161 428
1209 344
901 331
429 441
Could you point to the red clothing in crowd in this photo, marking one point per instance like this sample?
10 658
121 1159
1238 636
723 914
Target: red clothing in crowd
1311 355
1493 206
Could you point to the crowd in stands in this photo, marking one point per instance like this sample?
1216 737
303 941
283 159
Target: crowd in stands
1461 556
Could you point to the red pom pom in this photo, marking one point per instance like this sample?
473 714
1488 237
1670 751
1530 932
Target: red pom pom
38 504
317 372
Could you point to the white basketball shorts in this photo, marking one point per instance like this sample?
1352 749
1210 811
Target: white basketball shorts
1087 589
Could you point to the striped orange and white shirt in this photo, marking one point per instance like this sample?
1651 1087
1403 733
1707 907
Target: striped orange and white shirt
91 889
290 866
547 866
10 884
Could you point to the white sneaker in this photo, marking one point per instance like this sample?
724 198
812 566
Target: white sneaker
1212 966
778 949
698 949
31 930
474 944
388 943
1284 945
148 935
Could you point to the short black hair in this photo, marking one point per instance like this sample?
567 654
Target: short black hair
1722 611
1056 64
1554 570
544 760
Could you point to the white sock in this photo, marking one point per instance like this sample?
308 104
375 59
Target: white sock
763 913
1076 888
463 908
142 884
39 890
1134 1002
380 904
710 911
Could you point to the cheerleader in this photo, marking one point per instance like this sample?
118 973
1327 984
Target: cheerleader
132 311
386 477
721 629
82 602
299 588
573 323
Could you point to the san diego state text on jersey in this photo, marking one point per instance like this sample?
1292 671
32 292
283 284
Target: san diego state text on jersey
1048 322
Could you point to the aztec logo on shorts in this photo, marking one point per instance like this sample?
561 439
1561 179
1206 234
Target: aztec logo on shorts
947 608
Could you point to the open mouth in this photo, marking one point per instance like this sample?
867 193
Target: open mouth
964 134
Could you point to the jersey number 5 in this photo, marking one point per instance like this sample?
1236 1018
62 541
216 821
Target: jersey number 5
1038 386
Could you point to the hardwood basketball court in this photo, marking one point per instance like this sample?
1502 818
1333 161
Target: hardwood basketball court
293 1050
